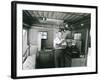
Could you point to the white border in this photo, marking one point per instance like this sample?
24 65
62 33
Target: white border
91 57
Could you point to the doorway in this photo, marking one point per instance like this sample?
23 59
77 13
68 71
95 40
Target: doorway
42 39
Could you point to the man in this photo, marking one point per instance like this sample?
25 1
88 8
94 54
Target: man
59 46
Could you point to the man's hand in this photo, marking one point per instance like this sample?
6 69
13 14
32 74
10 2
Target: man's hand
58 45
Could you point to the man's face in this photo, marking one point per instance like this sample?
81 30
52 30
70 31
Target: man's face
69 44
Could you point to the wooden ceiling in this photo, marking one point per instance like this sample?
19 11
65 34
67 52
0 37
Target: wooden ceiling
35 18
66 16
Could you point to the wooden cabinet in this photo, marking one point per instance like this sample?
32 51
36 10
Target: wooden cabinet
45 59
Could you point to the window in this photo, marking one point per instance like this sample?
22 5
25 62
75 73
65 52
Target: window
77 36
44 35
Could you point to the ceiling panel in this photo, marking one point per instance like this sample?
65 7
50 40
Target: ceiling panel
67 16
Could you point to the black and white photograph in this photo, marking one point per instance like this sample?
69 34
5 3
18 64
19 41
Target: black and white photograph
53 39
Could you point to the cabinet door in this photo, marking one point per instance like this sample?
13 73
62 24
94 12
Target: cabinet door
45 59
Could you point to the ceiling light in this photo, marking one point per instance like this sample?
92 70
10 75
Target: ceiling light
66 25
82 24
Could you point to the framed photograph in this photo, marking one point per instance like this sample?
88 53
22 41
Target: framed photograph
50 39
